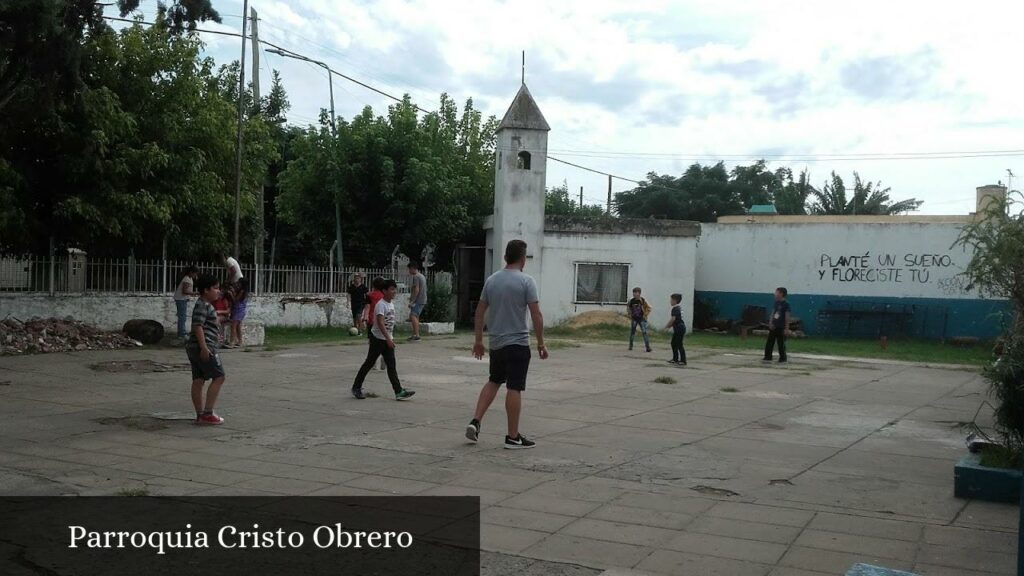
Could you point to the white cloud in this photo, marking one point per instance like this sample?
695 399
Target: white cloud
692 78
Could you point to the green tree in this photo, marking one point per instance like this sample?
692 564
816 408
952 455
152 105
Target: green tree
41 42
702 193
868 198
996 239
144 149
401 179
558 203
792 196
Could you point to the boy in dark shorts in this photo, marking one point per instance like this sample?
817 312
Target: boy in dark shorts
382 344
677 326
507 294
778 326
202 351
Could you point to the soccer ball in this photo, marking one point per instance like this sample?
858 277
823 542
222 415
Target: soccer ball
353 331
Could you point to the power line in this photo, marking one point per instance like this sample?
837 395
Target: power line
790 157
592 170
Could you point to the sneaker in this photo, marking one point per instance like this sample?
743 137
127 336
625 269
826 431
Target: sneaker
473 431
673 361
520 443
648 349
766 359
413 338
209 419
358 393
404 395
630 348
783 360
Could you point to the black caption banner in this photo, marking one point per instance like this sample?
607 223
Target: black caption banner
250 536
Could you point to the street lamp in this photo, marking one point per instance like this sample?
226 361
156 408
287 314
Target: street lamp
330 83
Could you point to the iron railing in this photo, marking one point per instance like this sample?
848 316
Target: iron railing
75 273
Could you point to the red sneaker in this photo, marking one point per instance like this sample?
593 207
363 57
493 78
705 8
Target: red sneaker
210 419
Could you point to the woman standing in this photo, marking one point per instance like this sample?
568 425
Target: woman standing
182 294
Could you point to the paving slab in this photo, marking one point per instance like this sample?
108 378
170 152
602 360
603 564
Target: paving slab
735 469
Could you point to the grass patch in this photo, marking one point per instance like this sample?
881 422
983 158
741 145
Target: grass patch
730 390
910 350
1001 457
665 380
133 492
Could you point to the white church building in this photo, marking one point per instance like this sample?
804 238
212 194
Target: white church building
580 264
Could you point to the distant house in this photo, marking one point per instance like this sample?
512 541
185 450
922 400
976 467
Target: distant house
762 209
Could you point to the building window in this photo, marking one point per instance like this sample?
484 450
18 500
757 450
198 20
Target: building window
601 283
523 162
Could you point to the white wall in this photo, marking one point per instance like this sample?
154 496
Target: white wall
660 265
111 311
518 194
908 260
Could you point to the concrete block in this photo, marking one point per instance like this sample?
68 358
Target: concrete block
437 328
253 334
974 481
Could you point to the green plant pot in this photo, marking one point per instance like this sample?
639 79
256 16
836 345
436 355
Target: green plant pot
973 481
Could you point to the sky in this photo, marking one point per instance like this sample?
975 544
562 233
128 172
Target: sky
646 86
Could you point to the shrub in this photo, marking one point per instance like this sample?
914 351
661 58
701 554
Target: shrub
439 303
997 238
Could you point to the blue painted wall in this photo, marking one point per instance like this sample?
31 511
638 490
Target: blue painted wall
830 315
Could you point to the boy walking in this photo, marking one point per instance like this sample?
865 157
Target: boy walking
638 309
678 328
382 343
417 299
182 294
202 351
507 294
778 326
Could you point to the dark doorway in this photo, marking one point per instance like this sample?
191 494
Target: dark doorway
469 281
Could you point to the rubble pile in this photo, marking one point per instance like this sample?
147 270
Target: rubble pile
40 335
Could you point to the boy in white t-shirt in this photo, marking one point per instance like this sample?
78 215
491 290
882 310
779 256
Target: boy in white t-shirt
382 343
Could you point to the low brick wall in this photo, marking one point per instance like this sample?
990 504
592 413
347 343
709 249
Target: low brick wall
110 311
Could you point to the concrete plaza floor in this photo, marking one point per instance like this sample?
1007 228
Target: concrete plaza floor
735 469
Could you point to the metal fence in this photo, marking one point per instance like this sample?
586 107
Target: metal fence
861 319
75 273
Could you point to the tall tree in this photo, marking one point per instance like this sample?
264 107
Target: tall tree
143 150
702 193
557 202
868 198
401 179
792 197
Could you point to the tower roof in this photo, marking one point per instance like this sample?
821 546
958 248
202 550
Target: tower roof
524 113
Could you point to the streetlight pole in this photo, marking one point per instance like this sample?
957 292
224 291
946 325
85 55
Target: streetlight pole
334 124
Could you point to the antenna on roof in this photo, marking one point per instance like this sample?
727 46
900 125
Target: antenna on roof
524 67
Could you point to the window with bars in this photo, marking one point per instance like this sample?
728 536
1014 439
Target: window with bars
602 283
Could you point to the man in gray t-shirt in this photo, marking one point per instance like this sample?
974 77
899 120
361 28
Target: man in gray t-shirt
507 296
417 299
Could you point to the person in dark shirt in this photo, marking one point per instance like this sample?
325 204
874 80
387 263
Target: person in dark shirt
357 292
778 326
678 328
638 309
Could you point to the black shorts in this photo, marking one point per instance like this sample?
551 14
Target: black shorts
509 366
208 370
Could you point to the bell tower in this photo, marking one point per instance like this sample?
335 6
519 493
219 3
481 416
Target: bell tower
519 181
